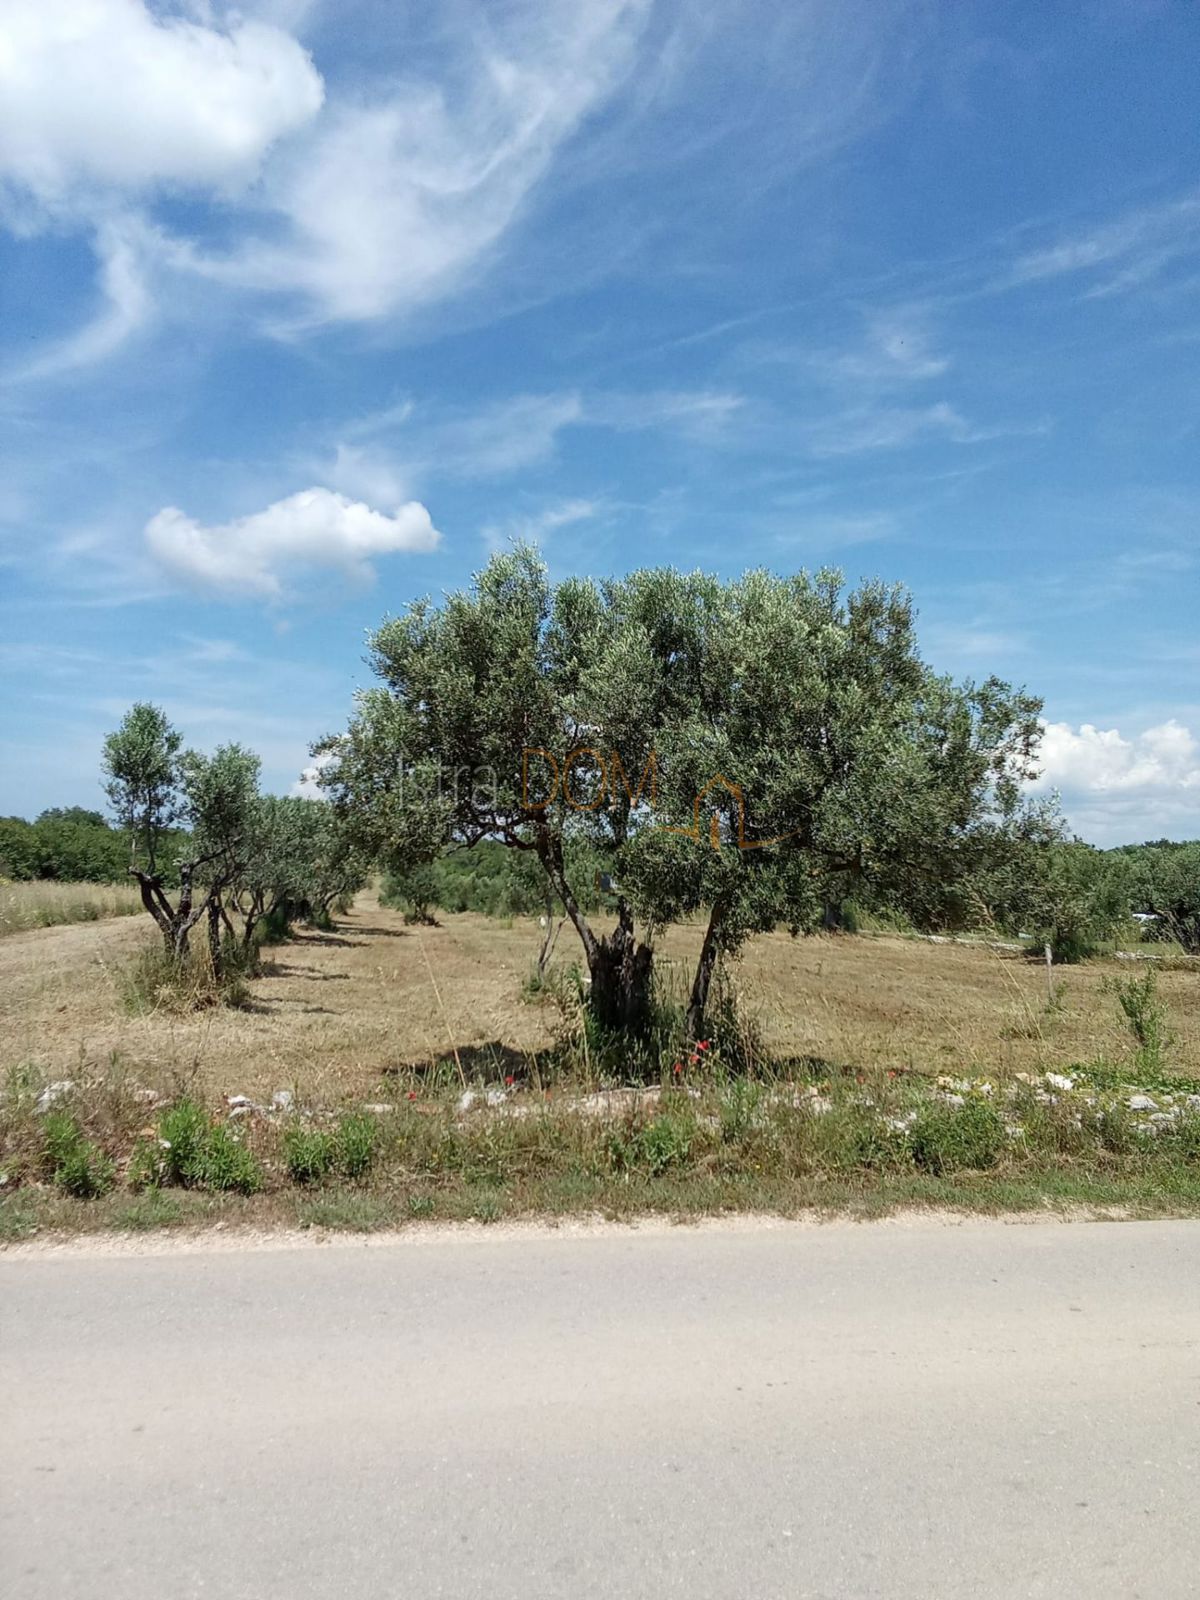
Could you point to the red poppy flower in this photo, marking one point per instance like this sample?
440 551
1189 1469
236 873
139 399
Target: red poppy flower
678 1067
412 1094
702 1045
510 1081
693 1060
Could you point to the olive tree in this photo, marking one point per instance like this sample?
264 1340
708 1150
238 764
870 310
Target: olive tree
297 862
154 785
746 749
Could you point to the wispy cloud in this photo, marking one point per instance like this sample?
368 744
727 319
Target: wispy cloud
1121 254
409 444
391 203
121 245
537 526
896 349
892 427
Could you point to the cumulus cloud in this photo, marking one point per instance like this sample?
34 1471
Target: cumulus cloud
1118 788
1105 760
317 528
308 785
107 92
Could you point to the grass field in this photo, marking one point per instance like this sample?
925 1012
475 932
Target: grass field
335 1012
45 905
379 1013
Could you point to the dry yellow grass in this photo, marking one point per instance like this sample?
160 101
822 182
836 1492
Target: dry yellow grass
333 1012
44 904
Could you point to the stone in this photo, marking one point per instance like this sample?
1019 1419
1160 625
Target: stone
282 1100
52 1094
1141 1102
1058 1080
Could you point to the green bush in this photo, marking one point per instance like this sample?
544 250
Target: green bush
225 1165
1145 1016
312 1155
947 1138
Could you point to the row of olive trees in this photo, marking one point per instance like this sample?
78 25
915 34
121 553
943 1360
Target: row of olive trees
748 751
249 858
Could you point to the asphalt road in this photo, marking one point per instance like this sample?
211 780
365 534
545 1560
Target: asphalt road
917 1409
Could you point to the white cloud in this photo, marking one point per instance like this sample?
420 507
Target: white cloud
109 93
892 427
251 556
1104 760
377 456
390 204
896 349
308 785
1119 788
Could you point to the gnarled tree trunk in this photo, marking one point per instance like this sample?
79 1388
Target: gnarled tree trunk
705 968
622 972
621 968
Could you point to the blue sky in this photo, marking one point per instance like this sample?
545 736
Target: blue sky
304 308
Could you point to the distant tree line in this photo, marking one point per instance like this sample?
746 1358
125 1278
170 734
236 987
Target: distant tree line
71 844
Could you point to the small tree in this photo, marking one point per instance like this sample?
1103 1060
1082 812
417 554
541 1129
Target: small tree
221 800
152 785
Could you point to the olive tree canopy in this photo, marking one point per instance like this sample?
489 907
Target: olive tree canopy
745 748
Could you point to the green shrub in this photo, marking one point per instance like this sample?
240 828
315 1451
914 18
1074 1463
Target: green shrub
182 1131
226 1165
655 1148
851 1139
196 1153
950 1138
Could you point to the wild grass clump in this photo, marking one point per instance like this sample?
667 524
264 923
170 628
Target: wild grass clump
46 904
195 1152
313 1155
155 982
658 1146
1145 1017
72 1162
948 1138
733 1044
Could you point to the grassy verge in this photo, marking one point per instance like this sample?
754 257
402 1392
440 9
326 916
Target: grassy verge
45 905
113 1155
